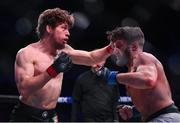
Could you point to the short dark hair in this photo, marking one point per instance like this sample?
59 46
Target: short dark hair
53 17
127 33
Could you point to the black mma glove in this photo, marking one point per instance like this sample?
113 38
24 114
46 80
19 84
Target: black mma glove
62 63
109 76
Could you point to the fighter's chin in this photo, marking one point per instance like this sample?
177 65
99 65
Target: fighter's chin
64 42
121 63
60 46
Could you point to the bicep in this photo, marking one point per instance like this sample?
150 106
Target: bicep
148 71
23 67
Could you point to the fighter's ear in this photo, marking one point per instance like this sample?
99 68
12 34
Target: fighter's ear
48 29
134 46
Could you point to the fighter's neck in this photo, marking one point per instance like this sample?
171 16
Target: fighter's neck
47 47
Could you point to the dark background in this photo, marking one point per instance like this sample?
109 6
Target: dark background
159 20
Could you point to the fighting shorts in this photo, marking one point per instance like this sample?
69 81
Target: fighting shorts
23 112
167 114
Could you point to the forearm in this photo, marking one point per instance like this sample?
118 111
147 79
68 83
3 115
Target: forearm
34 83
90 58
29 85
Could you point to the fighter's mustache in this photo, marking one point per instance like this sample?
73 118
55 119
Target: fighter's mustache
119 60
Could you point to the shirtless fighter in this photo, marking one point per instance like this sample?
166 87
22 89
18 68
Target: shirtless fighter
39 66
146 81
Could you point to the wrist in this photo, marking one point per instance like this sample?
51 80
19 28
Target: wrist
51 71
109 49
135 112
112 78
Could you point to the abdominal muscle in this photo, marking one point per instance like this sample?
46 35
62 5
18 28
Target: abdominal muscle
46 97
149 101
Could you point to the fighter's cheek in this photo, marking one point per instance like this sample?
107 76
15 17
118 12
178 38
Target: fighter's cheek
116 51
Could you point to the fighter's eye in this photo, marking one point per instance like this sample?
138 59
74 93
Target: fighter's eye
118 46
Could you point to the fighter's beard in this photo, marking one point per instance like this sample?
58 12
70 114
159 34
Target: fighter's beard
121 60
59 45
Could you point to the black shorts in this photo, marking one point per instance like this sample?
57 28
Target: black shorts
169 109
26 113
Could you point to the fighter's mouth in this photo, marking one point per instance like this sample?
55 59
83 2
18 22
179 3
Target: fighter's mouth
65 41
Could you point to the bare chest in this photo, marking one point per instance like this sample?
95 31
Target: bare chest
41 63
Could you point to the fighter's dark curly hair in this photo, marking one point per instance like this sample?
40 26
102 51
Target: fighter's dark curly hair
53 17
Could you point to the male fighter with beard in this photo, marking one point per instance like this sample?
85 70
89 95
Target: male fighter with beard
145 80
